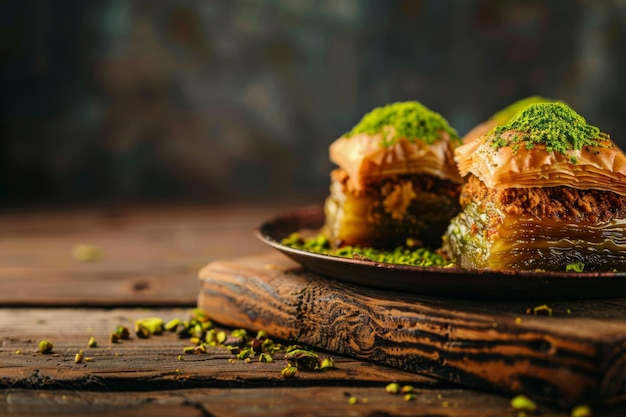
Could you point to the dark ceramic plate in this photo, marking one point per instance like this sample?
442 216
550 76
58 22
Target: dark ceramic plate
450 282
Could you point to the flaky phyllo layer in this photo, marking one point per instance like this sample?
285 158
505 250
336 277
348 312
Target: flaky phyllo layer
543 192
366 159
600 167
538 229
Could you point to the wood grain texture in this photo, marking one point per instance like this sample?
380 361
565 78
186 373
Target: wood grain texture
564 359
142 377
145 364
274 402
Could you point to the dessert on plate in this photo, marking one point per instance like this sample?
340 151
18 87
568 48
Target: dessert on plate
544 191
396 179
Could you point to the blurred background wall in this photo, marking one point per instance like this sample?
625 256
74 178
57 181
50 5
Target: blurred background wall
216 100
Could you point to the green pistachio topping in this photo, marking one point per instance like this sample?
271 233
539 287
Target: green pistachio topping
404 255
410 120
554 125
507 113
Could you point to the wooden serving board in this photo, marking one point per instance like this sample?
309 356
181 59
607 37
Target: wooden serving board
577 355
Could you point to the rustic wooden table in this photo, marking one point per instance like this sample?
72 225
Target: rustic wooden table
149 264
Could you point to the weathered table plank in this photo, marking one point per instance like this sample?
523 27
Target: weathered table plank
567 358
274 402
144 377
127 365
150 255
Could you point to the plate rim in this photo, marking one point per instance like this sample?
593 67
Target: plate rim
441 282
261 233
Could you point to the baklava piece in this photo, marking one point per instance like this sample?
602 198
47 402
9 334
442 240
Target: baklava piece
396 180
546 191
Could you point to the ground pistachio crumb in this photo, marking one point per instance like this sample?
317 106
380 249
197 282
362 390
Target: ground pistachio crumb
523 403
327 363
92 342
393 388
352 400
409 396
555 125
581 411
45 346
86 253
541 310
410 120
401 255
289 371
575 267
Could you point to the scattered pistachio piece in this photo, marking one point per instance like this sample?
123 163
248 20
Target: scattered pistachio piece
575 267
45 346
542 310
393 388
265 357
18 352
153 325
523 403
122 332
352 400
181 358
86 253
114 338
211 337
327 363
244 354
406 389
239 333
581 411
92 342
79 357
189 349
289 371
302 359
199 315
172 325
141 331
409 396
